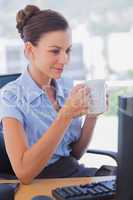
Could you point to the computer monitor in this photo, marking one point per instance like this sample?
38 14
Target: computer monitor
125 149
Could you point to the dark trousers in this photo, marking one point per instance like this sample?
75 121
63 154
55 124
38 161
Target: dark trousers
66 167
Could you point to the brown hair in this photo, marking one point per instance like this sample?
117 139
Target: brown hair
32 23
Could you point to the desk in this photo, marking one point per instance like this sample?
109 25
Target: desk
44 186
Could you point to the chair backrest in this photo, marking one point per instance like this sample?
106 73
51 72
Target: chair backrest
5 166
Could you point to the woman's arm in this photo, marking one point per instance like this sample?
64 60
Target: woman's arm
79 147
28 162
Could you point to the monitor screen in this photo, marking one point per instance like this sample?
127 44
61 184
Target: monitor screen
125 149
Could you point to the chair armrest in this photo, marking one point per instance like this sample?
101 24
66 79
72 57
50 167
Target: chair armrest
106 153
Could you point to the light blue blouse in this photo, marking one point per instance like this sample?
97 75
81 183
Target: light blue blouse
23 100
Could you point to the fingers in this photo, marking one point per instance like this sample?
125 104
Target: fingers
79 95
83 93
83 112
80 88
77 87
78 100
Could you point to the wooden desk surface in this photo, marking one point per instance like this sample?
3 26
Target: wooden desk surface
44 186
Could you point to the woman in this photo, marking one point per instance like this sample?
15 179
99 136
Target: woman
40 117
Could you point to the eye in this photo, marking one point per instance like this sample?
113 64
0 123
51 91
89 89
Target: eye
68 51
55 51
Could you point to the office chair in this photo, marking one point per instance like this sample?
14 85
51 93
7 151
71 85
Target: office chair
6 170
5 165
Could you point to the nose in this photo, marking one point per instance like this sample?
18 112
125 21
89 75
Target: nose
63 58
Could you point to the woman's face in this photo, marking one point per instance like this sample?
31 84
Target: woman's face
51 53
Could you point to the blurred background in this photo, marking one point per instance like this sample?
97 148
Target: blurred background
102 48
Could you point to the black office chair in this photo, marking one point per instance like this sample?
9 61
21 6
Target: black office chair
6 170
5 166
4 79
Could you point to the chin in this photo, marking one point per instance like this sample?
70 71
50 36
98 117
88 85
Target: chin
56 77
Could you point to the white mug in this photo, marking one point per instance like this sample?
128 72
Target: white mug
97 96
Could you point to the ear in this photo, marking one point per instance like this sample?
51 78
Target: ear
29 50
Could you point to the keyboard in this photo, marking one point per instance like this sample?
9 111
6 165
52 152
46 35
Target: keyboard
94 191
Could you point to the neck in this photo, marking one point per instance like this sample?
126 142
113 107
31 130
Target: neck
39 78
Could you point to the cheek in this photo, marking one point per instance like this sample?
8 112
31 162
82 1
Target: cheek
40 58
50 60
45 59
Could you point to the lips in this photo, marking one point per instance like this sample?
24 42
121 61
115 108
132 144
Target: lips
58 69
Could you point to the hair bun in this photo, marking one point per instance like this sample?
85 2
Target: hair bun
23 16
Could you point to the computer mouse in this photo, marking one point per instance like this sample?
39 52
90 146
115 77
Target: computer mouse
42 197
7 190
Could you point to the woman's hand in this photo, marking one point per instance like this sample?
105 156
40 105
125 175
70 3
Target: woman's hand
77 102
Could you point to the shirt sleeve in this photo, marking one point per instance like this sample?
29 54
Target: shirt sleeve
9 105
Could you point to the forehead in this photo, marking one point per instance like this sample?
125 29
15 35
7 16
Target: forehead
59 38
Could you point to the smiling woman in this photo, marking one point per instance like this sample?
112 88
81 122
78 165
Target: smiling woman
54 48
51 40
39 109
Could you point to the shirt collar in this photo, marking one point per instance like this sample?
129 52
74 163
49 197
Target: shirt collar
33 91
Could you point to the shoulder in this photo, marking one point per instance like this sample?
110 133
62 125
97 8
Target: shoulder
10 101
11 92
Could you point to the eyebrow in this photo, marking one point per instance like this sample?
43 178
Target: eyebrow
60 47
